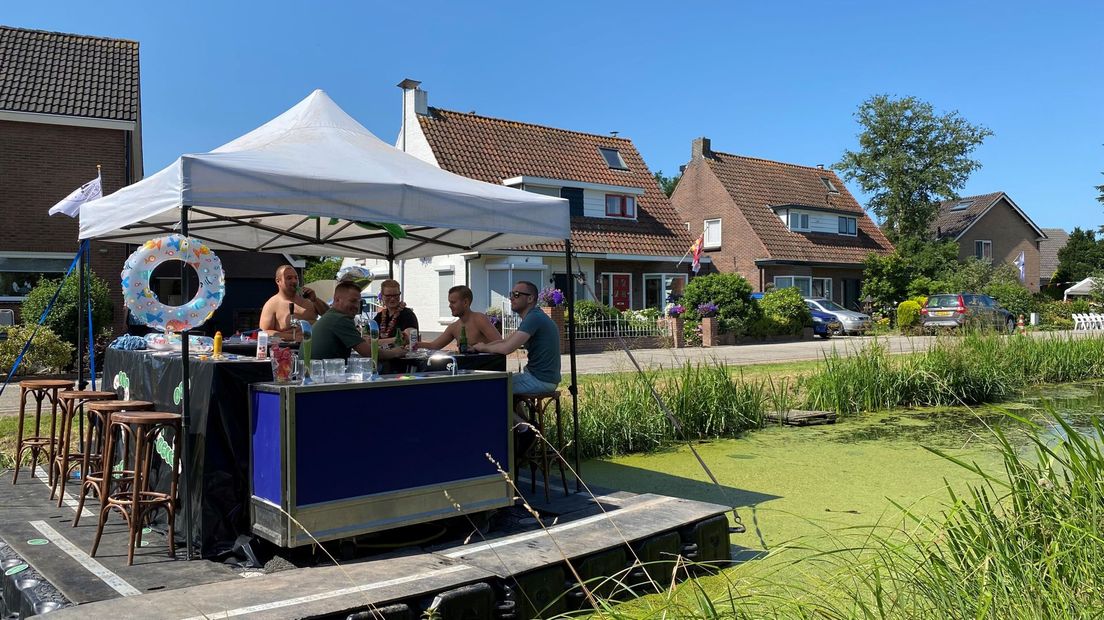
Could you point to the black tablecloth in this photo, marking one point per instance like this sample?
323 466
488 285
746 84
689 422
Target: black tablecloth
218 434
467 361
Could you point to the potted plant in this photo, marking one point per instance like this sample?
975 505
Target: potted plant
710 326
674 312
551 301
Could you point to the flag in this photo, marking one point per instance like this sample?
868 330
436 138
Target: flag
695 251
1019 263
71 204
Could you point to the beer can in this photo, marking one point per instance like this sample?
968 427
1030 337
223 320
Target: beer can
413 339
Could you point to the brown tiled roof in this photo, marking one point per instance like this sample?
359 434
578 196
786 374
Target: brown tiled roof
756 185
1056 239
492 150
68 74
950 224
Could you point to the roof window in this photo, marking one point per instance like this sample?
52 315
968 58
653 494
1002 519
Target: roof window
613 159
962 205
829 185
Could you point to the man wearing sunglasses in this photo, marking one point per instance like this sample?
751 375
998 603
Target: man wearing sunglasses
538 334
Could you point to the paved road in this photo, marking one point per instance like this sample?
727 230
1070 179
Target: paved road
617 361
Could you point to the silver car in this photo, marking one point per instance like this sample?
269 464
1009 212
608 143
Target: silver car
853 322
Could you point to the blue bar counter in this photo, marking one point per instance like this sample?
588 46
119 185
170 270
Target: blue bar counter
341 459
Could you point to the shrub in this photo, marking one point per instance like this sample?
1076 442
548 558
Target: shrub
62 319
48 353
324 269
587 311
908 314
691 331
1012 296
786 308
732 295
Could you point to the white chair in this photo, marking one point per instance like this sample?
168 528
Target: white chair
1078 321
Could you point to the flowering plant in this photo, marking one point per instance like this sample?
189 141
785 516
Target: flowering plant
551 297
495 320
707 310
674 310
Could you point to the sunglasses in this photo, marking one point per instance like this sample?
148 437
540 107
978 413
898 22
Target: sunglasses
391 295
516 294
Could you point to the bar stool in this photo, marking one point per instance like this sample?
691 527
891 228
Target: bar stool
134 499
39 389
65 459
538 454
94 461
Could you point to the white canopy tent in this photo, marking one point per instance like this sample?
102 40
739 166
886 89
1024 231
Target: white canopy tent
1084 288
300 184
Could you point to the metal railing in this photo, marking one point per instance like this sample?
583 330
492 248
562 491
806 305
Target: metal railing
604 328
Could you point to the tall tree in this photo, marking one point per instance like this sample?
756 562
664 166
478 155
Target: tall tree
1082 256
909 159
667 184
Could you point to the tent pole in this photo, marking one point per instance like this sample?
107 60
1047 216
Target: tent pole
390 257
183 443
80 330
574 388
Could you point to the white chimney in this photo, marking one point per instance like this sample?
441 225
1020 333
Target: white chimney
411 139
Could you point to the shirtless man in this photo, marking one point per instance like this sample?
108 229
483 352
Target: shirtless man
276 314
478 327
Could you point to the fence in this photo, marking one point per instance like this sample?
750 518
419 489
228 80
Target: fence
602 329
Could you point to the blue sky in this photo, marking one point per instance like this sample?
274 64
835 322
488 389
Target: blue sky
774 80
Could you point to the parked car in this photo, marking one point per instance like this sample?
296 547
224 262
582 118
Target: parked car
824 324
853 322
965 309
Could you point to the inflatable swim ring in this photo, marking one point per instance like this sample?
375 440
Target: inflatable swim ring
145 306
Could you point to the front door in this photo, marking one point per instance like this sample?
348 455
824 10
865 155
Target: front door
621 290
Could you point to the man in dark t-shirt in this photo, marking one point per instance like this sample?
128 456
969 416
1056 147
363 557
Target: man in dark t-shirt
395 316
335 334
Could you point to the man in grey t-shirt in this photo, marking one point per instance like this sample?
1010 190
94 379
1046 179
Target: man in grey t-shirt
540 337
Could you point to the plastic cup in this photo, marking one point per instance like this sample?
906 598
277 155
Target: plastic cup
335 370
317 371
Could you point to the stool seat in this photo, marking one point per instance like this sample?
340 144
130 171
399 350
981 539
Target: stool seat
132 496
66 459
539 453
111 406
36 442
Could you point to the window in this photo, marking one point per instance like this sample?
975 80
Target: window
445 281
620 206
20 272
809 287
501 280
574 196
962 205
659 287
829 185
613 159
799 221
712 234
848 226
983 250
560 281
822 287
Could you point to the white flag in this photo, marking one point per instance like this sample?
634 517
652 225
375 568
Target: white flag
70 205
1019 263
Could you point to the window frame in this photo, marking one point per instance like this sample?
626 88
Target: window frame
65 258
665 284
980 246
852 230
604 150
706 242
627 207
790 216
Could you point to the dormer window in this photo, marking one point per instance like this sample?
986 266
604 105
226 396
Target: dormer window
962 205
848 226
799 221
620 206
829 185
613 159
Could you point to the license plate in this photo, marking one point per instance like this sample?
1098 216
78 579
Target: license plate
943 313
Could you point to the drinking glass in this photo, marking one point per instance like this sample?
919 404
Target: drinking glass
335 370
355 369
317 371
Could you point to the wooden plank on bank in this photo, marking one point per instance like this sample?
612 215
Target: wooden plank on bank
798 417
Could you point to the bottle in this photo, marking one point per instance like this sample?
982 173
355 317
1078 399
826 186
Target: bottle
462 342
262 345
217 352
399 341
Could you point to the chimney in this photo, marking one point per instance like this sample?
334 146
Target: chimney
700 148
414 98
820 166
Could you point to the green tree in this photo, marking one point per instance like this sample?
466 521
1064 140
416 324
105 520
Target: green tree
62 319
732 294
890 279
1082 255
667 184
321 269
909 159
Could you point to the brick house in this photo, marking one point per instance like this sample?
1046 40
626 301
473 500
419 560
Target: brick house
778 224
1056 239
627 235
991 227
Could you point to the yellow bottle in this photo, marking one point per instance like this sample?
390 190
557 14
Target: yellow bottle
218 344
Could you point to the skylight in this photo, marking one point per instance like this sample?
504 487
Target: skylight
829 185
613 159
962 205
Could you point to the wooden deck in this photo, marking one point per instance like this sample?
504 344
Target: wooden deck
798 417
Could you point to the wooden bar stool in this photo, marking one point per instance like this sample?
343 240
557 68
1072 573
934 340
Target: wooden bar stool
134 499
95 459
533 408
39 389
65 459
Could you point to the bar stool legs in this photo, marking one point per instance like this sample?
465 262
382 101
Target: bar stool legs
39 389
132 497
538 455
96 460
66 460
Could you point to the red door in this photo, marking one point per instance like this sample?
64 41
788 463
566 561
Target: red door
622 291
